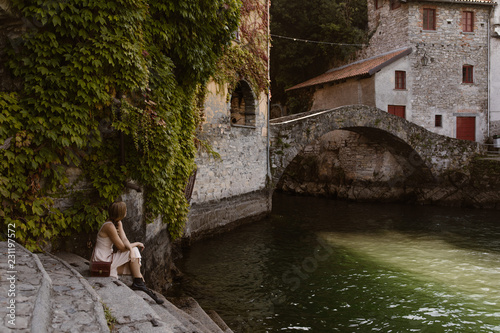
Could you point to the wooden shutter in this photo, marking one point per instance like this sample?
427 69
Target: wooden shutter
466 128
468 21
429 22
397 110
400 80
468 74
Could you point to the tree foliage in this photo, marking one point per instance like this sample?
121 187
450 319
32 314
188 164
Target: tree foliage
91 69
293 62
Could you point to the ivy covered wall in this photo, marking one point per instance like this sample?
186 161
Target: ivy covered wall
108 87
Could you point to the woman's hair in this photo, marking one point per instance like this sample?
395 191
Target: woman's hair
117 211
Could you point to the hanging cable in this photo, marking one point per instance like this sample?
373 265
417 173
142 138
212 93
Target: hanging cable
314 41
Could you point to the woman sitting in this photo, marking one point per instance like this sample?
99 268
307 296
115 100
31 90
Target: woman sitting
127 260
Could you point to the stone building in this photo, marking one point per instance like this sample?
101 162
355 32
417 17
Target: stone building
232 187
443 84
494 91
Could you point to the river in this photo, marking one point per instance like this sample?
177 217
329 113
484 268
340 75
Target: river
320 265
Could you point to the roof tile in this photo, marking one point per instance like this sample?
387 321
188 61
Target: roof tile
359 68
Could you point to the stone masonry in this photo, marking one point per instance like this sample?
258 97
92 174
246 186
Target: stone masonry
436 88
231 187
347 165
436 153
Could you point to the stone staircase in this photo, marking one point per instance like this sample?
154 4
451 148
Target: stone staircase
56 294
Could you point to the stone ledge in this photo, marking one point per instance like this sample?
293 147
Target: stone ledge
145 315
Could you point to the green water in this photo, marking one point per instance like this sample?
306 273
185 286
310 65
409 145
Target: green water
319 265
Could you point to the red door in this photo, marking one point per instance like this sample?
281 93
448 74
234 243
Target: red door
466 128
397 110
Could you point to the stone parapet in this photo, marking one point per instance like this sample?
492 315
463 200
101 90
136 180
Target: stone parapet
217 215
428 151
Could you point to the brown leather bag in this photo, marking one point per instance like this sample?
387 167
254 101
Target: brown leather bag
100 268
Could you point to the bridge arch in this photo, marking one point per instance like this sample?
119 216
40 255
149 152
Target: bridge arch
427 150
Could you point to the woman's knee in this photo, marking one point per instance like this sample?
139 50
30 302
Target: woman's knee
135 254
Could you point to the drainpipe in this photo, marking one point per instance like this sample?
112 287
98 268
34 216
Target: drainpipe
488 73
268 3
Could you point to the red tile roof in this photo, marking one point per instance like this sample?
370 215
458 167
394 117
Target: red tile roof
359 68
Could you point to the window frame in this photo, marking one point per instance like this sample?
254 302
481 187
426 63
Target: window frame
425 19
400 80
467 21
378 4
243 106
468 74
438 120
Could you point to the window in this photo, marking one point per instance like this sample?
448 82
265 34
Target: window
378 4
400 80
438 120
243 105
429 22
466 128
468 21
397 110
467 74
395 4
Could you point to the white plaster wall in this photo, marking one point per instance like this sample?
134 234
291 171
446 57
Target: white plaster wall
385 83
242 167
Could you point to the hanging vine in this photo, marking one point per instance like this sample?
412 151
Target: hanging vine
79 60
247 58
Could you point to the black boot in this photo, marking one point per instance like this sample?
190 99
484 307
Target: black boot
138 284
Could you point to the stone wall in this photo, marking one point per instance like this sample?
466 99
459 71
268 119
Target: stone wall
226 187
388 28
221 215
439 154
347 165
341 162
352 91
437 88
157 257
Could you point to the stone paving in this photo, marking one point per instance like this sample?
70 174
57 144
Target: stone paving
75 307
22 285
56 294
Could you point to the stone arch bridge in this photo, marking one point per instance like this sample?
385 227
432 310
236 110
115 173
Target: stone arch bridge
425 150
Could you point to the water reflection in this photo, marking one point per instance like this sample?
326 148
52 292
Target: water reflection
325 266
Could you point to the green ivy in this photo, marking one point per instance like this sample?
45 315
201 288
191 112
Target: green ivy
129 66
248 57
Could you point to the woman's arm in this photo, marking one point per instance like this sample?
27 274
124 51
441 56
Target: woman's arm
124 238
112 233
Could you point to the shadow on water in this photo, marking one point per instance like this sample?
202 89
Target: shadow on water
330 266
457 226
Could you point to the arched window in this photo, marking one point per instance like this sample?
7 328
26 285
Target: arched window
243 105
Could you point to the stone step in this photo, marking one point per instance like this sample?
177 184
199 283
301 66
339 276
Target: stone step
192 308
219 321
129 310
25 290
56 294
74 305
145 315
